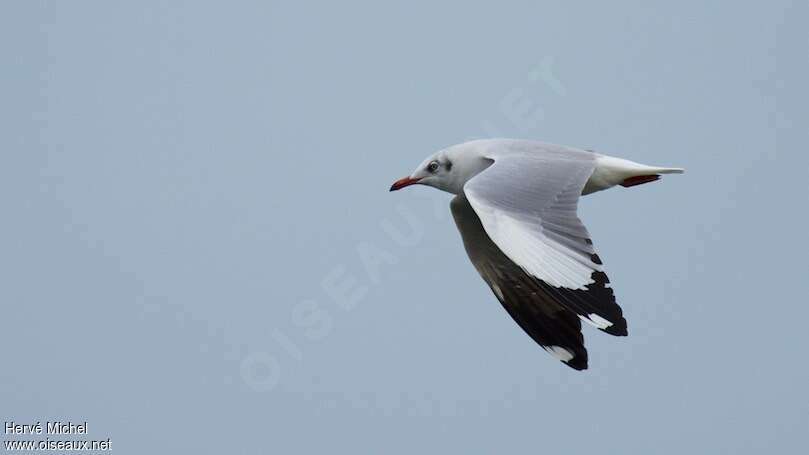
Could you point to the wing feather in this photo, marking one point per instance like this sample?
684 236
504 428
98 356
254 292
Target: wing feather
535 309
526 202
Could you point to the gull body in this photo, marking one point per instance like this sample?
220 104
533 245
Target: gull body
460 163
515 207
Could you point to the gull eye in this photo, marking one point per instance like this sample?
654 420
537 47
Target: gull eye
433 166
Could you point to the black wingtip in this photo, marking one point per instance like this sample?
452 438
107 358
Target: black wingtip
608 309
573 356
618 329
577 363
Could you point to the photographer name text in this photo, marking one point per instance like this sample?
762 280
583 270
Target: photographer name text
56 427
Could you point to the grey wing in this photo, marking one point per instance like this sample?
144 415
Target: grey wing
531 304
527 203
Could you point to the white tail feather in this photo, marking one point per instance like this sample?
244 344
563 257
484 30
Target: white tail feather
611 171
668 170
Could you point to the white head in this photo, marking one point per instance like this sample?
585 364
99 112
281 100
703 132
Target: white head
448 169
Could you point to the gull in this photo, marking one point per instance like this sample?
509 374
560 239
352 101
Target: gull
515 206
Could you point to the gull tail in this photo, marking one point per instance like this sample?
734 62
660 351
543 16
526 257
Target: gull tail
646 174
611 171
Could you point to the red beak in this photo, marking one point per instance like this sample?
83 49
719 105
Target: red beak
403 182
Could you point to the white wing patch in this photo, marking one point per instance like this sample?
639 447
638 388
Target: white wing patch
559 352
537 254
527 203
596 321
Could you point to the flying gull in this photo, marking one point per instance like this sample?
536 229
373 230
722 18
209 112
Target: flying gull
515 206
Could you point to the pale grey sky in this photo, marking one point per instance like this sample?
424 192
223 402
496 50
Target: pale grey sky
190 191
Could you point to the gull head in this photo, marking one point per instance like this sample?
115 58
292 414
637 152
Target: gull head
447 170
